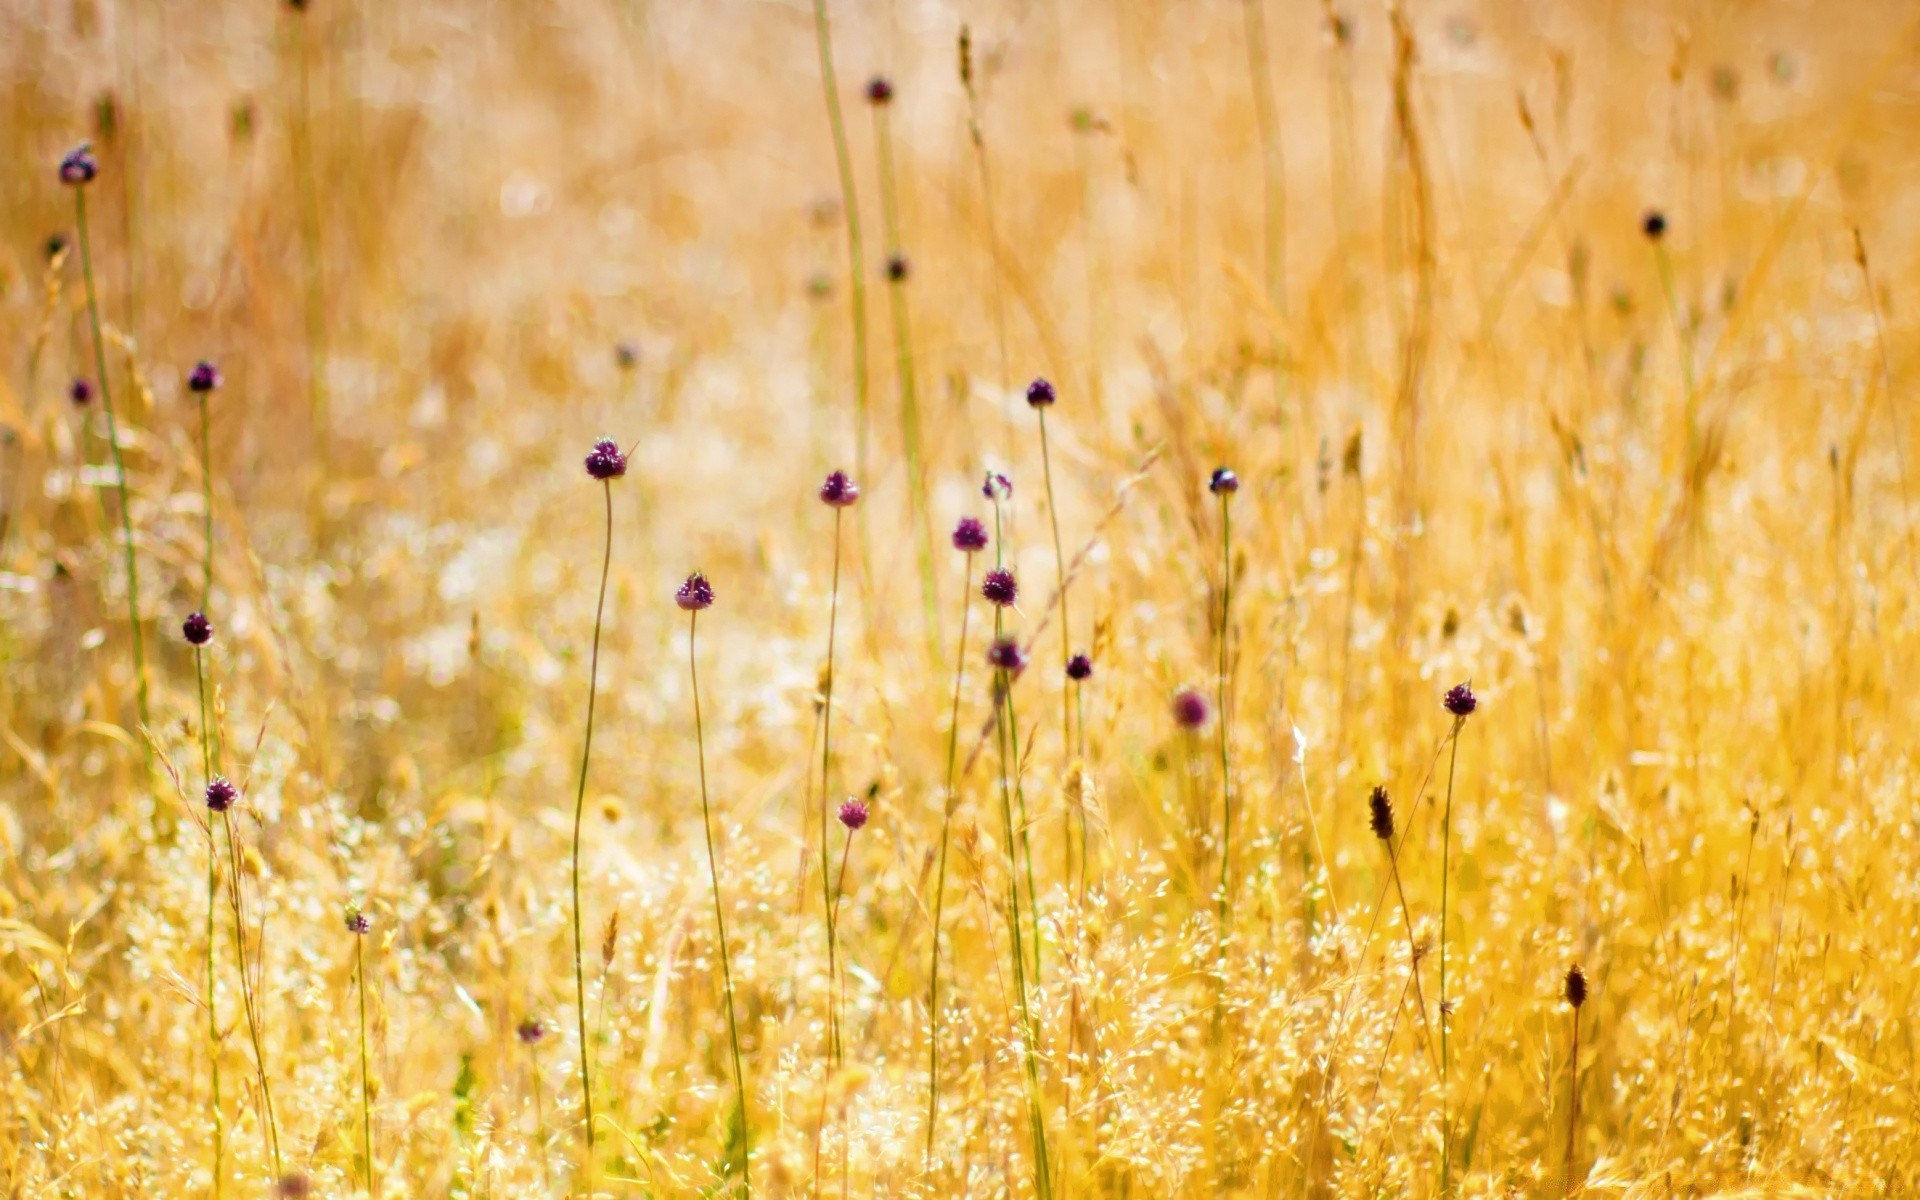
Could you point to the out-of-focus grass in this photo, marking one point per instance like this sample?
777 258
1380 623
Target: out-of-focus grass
1454 392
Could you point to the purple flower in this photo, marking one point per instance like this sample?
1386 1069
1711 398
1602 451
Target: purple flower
969 536
695 594
607 461
1654 225
997 487
1006 654
1000 587
1190 709
1460 700
1079 668
879 91
221 794
853 813
197 629
897 268
294 1185
78 168
531 1031
81 391
1040 393
205 377
1576 986
1224 482
626 356
357 921
839 491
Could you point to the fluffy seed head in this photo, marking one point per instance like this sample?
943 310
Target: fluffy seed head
531 1031
357 922
969 536
1006 654
1460 700
997 487
1190 709
695 594
221 794
879 91
1654 225
1079 668
1380 806
78 168
1576 992
1040 393
853 813
1000 587
839 491
1224 482
197 629
606 461
81 392
204 378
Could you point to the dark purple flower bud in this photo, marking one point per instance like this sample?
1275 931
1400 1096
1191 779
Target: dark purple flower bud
839 491
879 91
1190 709
531 1031
897 268
357 921
81 391
997 487
205 377
56 245
1224 482
1460 700
197 629
607 461
1006 654
1040 393
626 356
853 813
221 794
1576 986
1381 808
1000 587
1654 225
969 536
1079 668
294 1185
695 594
78 168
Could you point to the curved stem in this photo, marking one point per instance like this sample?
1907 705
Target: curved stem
940 880
856 261
579 807
719 914
249 997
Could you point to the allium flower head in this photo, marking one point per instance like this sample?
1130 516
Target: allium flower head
204 378
879 90
1460 700
357 921
695 594
81 392
1380 806
897 268
78 168
294 1185
221 794
1006 654
1079 668
1190 709
1224 482
969 536
1654 225
839 491
197 629
1000 587
853 813
607 461
531 1031
1040 393
997 487
1576 992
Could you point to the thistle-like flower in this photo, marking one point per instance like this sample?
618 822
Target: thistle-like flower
695 594
607 460
1000 587
81 392
839 491
1460 700
897 268
1654 225
294 1185
197 629
969 536
1224 482
78 168
531 1031
357 921
1006 654
221 794
1380 806
997 487
204 378
1079 668
1190 709
1040 393
879 90
853 813
1576 991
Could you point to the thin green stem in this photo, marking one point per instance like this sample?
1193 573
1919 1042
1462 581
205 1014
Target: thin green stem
719 913
119 468
366 1076
940 879
1573 1100
249 997
1009 758
826 801
206 506
1060 578
856 260
579 808
213 892
1226 779
1446 1059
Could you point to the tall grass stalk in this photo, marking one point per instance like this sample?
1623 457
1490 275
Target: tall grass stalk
996 284
306 185
579 808
366 1074
1009 742
1459 702
948 799
1024 842
856 260
826 804
213 893
250 993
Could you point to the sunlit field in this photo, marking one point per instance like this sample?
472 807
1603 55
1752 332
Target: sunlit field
911 598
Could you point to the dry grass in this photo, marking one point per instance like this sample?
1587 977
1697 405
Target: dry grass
1653 502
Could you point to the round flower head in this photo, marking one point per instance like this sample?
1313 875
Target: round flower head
1576 992
607 461
1381 808
626 356
1654 225
197 629
695 594
969 536
205 377
357 921
897 268
1006 654
1000 587
1224 482
997 487
81 392
531 1031
294 1186
853 813
1460 700
221 794
839 491
78 168
1040 393
879 91
1190 709
1079 668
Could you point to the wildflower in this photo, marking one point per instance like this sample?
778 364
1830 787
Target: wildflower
78 168
1190 709
607 461
357 921
294 1185
221 794
695 594
1006 654
839 491
969 536
197 629
205 377
1460 700
897 268
1654 225
81 391
997 487
626 356
1576 992
879 91
531 1031
1000 587
1079 668
853 813
1040 393
1381 806
1224 482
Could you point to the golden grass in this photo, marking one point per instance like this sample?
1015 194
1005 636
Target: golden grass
1654 501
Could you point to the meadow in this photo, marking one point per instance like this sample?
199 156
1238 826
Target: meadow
1041 598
